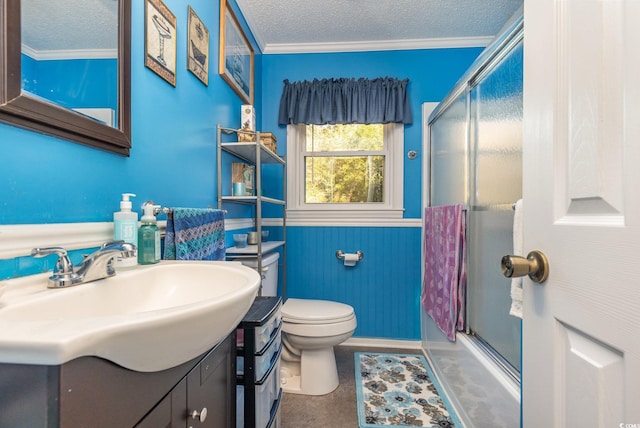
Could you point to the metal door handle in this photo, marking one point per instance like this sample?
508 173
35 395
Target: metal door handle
535 265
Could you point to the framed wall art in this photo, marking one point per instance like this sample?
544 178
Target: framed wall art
236 54
160 40
198 48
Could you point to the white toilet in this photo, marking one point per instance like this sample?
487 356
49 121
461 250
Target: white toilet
310 330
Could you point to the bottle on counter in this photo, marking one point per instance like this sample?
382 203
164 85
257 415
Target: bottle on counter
125 228
148 237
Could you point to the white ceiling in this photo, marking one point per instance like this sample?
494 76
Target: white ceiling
294 26
70 25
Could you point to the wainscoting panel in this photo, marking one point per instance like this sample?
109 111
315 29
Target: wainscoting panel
383 288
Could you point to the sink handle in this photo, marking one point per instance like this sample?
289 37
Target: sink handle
63 266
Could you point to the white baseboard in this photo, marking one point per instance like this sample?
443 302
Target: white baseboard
372 342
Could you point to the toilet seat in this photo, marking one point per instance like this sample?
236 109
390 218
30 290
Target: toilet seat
315 312
321 330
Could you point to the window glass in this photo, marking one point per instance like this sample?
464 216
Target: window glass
355 137
344 164
344 179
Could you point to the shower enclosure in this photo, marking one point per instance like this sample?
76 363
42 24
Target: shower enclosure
475 150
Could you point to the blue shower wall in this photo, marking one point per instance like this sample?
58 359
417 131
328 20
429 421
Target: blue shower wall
383 288
173 158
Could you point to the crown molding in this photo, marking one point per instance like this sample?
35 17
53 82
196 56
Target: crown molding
40 55
379 45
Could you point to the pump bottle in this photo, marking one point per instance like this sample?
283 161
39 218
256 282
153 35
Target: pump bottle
148 237
125 228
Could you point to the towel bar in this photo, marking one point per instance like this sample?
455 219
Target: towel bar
169 211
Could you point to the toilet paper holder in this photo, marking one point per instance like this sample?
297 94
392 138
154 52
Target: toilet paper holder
340 254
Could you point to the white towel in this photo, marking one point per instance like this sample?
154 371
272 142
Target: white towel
516 283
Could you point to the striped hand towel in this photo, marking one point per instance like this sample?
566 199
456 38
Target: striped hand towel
195 234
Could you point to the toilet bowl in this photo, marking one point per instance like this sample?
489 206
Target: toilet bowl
310 330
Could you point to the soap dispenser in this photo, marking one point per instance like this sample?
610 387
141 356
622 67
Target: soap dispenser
125 228
148 237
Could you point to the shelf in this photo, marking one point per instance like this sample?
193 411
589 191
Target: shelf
256 154
252 200
252 250
247 152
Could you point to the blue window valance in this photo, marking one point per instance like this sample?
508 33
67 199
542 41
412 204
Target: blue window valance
343 101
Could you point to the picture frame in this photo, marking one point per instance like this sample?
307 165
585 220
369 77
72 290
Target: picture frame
244 173
236 61
160 40
198 48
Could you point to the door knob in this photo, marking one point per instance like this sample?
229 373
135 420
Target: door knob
535 265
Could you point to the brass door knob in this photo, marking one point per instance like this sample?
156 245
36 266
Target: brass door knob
535 265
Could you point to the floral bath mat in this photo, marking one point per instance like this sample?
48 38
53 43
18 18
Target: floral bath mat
397 390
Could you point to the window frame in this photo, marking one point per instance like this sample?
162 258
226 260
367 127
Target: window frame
391 208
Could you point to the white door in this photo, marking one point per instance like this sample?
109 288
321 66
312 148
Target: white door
581 328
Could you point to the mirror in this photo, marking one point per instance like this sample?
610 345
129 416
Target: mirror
31 99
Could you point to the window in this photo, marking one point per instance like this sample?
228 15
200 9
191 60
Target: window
345 171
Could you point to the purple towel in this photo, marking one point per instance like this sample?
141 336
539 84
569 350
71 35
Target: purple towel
445 276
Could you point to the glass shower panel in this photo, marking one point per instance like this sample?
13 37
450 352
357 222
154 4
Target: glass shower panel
449 155
496 172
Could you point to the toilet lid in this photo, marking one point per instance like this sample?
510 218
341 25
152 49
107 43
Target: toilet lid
306 311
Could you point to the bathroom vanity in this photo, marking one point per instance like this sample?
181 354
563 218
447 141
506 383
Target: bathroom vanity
93 392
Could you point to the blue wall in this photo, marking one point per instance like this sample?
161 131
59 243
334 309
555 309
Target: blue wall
384 288
73 83
47 180
431 75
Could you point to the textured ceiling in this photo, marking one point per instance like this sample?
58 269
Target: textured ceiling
347 25
292 25
68 25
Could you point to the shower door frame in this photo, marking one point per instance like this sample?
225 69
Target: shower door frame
487 62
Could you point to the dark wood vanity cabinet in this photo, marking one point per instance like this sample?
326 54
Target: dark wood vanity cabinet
205 398
93 393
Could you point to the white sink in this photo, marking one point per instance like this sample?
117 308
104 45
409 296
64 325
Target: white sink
146 319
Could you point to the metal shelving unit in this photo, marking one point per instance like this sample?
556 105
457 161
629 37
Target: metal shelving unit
257 154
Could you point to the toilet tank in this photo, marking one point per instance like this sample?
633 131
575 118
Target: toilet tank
269 272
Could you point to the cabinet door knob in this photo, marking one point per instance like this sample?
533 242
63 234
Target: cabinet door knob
200 416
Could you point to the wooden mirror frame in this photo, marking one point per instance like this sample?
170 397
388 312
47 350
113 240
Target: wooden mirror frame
30 113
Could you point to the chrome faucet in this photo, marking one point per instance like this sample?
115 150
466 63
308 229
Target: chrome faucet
97 265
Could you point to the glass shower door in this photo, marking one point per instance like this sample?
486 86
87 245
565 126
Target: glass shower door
494 186
450 155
